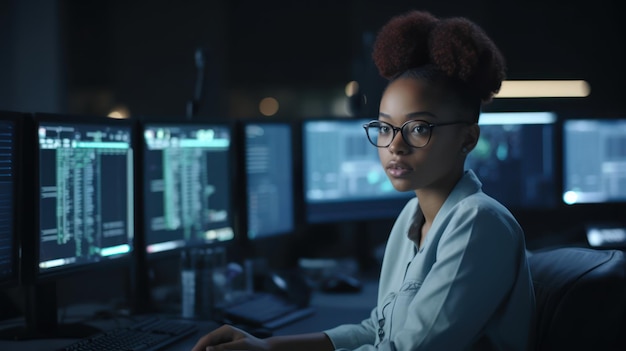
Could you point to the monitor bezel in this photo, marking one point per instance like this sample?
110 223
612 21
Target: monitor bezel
141 235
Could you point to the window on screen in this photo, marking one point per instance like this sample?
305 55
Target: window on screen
86 193
186 185
594 161
515 158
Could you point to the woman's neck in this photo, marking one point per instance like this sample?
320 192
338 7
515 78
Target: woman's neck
431 199
430 203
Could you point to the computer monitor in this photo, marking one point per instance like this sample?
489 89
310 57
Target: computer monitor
10 160
515 159
187 185
83 203
269 178
594 160
85 192
343 177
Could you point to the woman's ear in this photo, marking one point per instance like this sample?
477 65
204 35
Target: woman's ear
471 138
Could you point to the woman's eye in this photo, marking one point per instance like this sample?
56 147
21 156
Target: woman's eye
420 129
384 129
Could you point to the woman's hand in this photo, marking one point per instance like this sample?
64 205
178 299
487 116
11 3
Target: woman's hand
228 337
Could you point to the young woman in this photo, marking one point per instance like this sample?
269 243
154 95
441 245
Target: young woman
454 275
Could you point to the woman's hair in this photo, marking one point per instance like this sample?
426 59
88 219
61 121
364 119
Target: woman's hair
454 52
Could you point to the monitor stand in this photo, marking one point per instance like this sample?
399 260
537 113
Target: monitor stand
41 317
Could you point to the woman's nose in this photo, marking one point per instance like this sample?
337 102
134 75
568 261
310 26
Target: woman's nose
398 145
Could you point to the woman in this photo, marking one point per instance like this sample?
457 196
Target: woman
455 275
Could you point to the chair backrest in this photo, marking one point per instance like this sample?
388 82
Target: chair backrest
581 298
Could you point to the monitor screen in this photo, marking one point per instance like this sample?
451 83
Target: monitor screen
269 176
85 195
187 176
8 199
515 158
343 177
594 156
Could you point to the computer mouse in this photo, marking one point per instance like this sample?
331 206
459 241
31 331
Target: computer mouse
341 283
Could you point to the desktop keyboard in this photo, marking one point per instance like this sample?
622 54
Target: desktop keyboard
149 335
265 310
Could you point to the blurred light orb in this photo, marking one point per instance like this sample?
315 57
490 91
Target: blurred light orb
268 106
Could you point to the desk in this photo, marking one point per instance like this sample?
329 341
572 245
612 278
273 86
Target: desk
330 310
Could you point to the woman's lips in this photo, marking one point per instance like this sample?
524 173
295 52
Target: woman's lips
398 169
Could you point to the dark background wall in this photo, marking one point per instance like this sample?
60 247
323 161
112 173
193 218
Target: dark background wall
88 57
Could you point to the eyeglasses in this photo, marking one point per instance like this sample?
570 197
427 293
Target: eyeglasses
416 133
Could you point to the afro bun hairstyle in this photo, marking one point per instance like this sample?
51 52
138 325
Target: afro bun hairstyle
456 47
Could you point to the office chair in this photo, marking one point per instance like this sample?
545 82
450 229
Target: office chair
581 298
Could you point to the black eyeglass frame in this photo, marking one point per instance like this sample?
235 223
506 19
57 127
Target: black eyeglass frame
400 129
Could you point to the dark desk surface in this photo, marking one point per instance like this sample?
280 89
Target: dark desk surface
330 310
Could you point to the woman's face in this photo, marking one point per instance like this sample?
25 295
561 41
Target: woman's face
439 164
